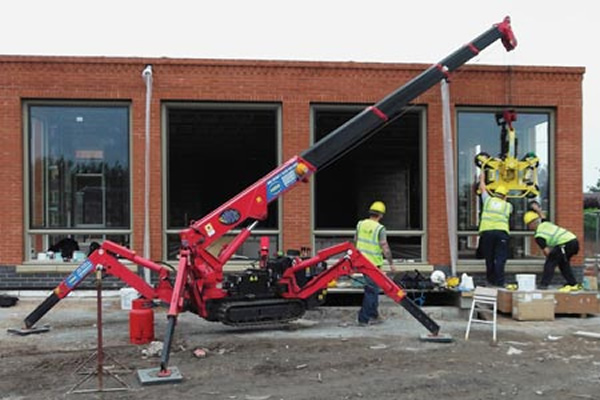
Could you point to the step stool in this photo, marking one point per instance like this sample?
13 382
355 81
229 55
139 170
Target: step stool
485 300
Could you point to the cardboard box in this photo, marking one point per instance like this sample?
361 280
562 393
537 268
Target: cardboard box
533 306
505 300
576 303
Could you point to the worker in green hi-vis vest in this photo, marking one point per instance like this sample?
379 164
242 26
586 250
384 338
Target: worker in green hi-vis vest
371 241
494 231
558 245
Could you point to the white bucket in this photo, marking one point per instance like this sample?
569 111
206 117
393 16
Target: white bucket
526 282
127 296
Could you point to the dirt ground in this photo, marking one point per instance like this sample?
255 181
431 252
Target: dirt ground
323 356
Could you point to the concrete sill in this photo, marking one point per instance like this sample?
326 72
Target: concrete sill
33 267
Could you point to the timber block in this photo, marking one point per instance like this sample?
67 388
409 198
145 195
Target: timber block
465 299
576 303
505 299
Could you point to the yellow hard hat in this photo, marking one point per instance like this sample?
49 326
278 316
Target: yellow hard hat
452 281
378 207
529 217
501 190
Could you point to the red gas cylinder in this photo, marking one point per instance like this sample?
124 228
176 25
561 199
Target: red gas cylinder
141 322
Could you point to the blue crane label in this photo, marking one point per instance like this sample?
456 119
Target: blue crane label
79 274
281 181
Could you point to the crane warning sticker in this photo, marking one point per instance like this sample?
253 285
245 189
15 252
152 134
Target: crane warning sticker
210 231
282 181
79 274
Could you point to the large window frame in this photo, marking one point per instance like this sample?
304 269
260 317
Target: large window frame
321 238
523 249
38 239
171 233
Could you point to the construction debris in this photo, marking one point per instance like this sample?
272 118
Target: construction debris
200 352
8 301
153 350
590 335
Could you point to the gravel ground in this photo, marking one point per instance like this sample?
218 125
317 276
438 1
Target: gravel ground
325 355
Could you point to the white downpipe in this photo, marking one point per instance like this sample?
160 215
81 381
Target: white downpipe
449 175
147 76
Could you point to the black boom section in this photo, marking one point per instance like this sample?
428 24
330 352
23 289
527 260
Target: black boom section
369 121
41 310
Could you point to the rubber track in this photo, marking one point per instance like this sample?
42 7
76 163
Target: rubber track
295 310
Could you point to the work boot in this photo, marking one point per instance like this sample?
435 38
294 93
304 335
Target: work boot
377 321
571 288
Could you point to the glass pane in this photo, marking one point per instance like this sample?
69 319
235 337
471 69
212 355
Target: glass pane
79 167
479 132
386 167
214 154
591 233
404 248
519 247
250 250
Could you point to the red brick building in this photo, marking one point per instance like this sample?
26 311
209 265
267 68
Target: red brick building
74 151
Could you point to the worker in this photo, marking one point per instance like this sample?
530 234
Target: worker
558 245
494 231
371 240
66 247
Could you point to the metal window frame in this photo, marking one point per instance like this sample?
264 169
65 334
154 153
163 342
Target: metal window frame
422 112
28 231
551 112
166 106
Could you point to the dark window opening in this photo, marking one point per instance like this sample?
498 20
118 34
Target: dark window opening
215 153
386 167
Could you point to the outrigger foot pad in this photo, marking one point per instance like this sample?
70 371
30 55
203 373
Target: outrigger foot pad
29 331
155 376
439 338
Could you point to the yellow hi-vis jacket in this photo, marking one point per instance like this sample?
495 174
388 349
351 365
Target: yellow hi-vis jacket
495 215
367 240
554 235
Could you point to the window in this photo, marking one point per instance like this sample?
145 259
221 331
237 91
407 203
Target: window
78 159
478 132
387 167
213 152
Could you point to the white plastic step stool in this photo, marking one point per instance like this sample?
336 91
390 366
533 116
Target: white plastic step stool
485 300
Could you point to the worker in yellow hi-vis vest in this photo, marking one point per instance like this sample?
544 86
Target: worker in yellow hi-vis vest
371 241
494 231
558 245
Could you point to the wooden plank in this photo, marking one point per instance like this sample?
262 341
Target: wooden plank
505 299
576 303
591 335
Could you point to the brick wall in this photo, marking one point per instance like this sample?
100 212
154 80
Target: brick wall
295 85
10 279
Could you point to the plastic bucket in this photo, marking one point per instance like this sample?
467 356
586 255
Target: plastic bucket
127 296
526 282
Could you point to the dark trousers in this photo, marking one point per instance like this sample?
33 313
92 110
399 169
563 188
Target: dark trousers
561 256
370 304
494 246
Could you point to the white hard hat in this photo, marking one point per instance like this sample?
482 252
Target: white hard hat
438 277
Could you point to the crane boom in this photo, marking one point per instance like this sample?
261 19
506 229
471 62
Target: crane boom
370 120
